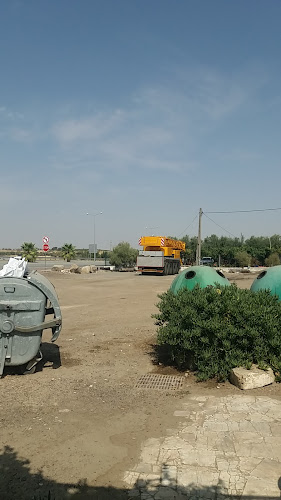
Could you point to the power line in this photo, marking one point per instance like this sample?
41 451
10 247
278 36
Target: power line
244 211
204 213
188 226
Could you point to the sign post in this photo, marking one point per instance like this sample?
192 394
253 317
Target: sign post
45 247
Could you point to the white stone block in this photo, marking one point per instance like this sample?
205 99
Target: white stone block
251 379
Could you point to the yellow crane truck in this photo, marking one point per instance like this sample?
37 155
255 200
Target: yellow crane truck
160 255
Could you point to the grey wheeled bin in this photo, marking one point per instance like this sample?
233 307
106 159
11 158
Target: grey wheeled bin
24 303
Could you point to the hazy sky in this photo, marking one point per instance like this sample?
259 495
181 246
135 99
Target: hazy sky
145 110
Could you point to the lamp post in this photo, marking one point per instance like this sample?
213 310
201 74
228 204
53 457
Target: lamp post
94 215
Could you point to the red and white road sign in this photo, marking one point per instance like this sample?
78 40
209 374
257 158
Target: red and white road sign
46 239
45 248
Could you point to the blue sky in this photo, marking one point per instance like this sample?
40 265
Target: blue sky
145 110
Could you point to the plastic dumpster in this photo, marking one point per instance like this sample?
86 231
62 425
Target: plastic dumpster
269 279
24 303
198 275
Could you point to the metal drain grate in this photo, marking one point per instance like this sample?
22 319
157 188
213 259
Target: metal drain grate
159 382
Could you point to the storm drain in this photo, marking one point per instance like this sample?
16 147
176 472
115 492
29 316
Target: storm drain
160 382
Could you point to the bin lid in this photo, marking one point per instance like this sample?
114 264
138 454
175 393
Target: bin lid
269 279
198 275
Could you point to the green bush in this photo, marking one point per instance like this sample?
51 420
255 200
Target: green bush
272 260
219 328
242 258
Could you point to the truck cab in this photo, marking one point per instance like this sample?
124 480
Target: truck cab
207 261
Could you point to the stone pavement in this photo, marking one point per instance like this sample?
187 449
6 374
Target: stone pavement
220 448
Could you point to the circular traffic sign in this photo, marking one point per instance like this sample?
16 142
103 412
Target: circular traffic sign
45 239
45 248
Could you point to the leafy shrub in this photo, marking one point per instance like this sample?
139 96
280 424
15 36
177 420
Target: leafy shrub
123 255
242 258
272 260
220 328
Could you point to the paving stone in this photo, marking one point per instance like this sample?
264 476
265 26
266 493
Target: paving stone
168 457
187 476
207 459
173 442
146 496
263 428
181 413
169 473
275 429
135 493
215 426
260 487
166 493
171 432
143 468
131 477
153 482
150 454
233 448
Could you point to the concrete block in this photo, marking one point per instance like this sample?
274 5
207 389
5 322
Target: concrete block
251 379
57 267
75 269
86 270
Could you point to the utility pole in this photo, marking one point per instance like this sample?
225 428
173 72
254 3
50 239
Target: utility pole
198 250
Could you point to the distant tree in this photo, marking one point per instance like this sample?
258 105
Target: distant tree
29 251
68 252
123 255
242 258
104 255
272 260
82 253
190 248
258 247
224 249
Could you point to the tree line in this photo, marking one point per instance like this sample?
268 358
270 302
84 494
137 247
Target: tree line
227 251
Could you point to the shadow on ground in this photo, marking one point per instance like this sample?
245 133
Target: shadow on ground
161 355
17 482
51 359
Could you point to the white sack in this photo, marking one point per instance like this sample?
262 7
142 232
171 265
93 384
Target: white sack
16 267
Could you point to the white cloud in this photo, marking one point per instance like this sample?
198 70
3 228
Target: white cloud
10 114
160 127
85 129
20 135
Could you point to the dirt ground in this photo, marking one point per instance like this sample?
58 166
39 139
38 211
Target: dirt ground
79 420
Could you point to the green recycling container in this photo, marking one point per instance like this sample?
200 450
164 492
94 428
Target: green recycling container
269 279
198 275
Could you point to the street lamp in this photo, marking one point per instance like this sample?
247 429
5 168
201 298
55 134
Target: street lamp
94 215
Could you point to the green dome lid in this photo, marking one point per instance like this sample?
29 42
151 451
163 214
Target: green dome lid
269 279
201 275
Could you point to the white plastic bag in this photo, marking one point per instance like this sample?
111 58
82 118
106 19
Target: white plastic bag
16 267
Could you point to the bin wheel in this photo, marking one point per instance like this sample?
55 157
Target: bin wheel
30 372
30 368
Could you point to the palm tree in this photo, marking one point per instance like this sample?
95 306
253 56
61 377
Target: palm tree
68 252
29 251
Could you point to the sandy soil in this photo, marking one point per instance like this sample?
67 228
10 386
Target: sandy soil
80 418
